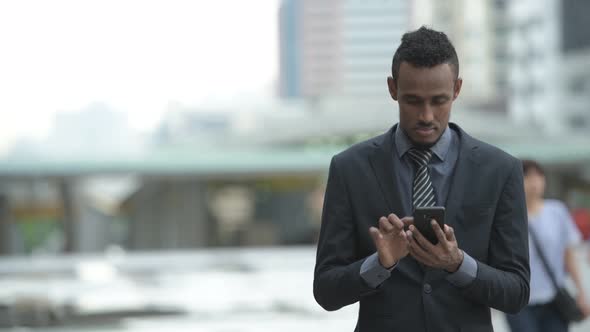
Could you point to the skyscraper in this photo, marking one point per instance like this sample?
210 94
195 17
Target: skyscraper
339 47
371 32
289 43
549 57
470 24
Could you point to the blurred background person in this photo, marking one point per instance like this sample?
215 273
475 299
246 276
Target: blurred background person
554 230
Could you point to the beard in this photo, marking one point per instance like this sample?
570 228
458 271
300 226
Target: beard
423 145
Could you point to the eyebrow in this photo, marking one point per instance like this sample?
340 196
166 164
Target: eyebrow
412 96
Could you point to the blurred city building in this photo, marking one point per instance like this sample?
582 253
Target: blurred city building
549 46
525 59
182 126
477 29
96 128
576 62
333 48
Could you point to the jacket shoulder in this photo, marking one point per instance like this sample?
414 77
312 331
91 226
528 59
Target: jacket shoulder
492 155
360 150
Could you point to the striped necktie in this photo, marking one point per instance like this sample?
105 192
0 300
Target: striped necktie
423 192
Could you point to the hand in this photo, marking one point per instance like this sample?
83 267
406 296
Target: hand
445 255
390 239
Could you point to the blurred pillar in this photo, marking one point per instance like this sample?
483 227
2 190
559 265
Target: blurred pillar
70 216
4 226
169 214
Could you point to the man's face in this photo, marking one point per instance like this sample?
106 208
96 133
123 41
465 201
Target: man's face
425 97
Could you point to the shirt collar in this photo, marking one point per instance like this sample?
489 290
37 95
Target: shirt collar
440 149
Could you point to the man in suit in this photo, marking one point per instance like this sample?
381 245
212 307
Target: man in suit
366 253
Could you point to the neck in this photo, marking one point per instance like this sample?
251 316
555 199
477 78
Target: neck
534 205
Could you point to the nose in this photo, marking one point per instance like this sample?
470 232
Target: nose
426 114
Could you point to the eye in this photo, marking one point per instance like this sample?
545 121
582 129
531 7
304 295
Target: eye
439 100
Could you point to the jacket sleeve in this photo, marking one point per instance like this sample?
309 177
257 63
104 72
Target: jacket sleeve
337 279
503 283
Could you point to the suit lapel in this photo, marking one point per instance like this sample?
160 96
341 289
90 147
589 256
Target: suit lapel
382 163
465 168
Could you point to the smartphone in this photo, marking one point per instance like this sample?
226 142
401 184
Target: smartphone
423 217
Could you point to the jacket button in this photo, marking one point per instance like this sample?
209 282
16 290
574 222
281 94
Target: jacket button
427 288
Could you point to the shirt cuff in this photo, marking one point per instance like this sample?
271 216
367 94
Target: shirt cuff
465 274
373 273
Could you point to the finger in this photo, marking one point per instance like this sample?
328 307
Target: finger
450 234
395 221
419 253
412 243
376 235
385 226
442 238
407 222
403 235
422 241
420 257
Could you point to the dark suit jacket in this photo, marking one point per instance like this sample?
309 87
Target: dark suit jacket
486 208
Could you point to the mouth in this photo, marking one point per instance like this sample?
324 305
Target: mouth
424 131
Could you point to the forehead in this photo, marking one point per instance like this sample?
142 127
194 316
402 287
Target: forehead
533 173
424 80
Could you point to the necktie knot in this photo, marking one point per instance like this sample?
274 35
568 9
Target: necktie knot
420 157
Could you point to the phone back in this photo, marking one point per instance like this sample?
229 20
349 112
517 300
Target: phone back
422 218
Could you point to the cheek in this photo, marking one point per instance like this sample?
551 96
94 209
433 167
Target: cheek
405 113
443 112
534 186
526 183
541 185
527 187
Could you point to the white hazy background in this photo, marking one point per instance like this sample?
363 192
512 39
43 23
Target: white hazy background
135 56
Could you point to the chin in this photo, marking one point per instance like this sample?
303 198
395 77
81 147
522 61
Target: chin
424 143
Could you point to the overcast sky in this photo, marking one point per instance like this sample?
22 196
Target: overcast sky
62 55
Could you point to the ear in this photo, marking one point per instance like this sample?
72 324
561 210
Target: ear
458 85
392 87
